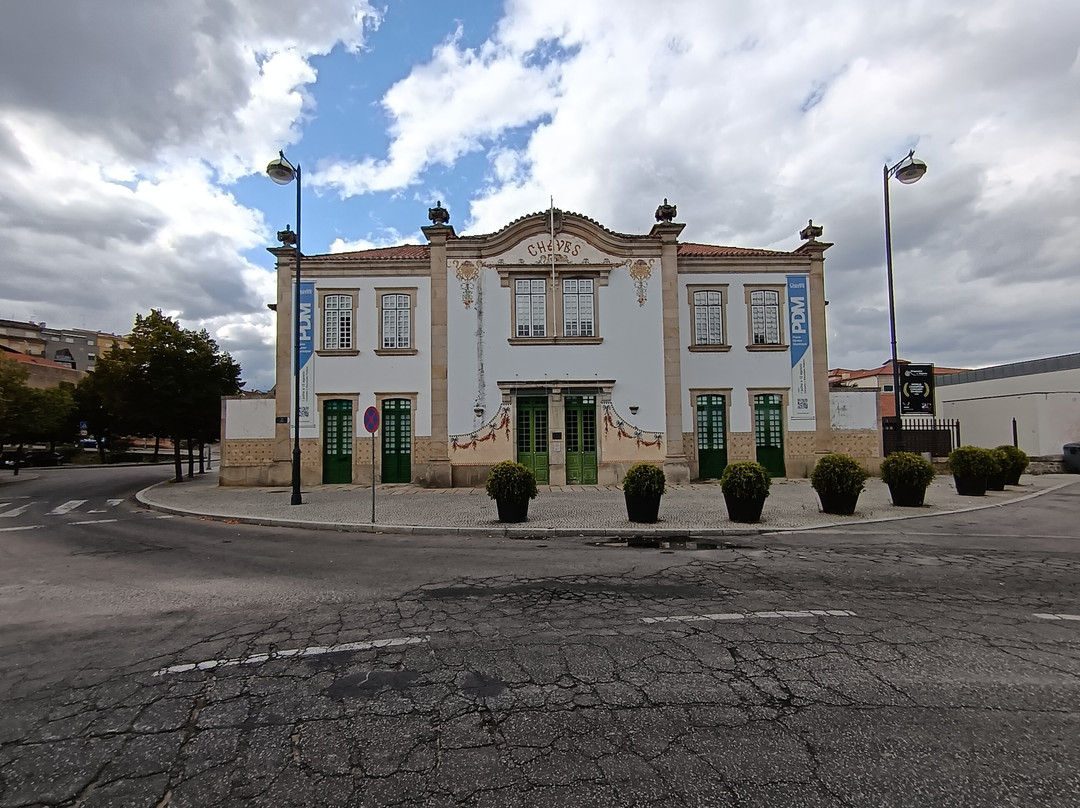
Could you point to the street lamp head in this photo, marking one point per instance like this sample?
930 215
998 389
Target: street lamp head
910 170
281 170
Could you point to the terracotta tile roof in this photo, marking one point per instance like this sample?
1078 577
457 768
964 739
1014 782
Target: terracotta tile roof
708 250
27 359
402 252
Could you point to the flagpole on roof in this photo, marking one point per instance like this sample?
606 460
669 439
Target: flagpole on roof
551 252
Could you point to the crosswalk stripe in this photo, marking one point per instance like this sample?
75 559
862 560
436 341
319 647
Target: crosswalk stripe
70 505
23 527
17 511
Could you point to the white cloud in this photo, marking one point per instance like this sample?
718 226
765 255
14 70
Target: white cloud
118 144
753 120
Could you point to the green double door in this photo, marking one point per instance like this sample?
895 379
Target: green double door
711 436
532 436
581 440
768 433
337 441
396 440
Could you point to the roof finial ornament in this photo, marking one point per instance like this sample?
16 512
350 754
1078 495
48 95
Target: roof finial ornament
439 215
811 232
287 237
666 212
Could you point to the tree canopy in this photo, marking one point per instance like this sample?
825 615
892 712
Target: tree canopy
168 383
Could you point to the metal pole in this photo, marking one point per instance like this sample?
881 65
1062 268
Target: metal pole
296 499
372 478
892 314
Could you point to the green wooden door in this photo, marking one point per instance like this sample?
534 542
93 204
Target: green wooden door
581 440
396 440
337 441
532 436
768 435
711 436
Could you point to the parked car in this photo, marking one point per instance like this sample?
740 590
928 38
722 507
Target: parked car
88 443
33 457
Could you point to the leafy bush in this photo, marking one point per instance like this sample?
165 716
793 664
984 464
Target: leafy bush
1016 459
907 469
972 461
838 474
644 480
511 481
746 480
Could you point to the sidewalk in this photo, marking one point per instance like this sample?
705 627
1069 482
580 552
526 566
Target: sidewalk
694 510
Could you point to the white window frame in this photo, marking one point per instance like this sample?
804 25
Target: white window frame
716 300
397 323
579 307
765 305
336 322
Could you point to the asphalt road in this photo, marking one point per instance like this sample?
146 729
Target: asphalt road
174 662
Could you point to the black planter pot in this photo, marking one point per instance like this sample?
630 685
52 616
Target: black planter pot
1012 477
744 510
969 485
841 504
996 482
907 496
642 509
513 510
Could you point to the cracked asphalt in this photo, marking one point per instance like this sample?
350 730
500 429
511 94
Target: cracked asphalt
194 663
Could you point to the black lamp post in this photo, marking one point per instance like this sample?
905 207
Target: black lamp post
907 171
283 172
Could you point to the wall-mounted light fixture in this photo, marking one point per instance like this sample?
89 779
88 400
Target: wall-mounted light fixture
633 409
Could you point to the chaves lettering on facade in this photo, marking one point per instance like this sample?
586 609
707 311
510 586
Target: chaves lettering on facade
544 247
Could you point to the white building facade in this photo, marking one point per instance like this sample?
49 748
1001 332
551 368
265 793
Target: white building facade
554 342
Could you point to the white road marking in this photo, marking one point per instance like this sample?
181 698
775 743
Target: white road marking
314 650
1058 616
17 511
24 527
70 505
693 618
112 504
94 521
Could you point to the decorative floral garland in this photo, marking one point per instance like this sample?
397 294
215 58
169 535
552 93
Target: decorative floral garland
618 425
503 418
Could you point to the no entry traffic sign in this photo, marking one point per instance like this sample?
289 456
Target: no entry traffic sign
371 419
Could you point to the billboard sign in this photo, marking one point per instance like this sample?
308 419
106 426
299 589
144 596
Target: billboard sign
802 364
917 389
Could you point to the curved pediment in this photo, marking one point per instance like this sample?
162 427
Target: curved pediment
578 239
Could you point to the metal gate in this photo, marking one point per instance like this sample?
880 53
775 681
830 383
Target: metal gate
711 436
581 440
938 436
337 441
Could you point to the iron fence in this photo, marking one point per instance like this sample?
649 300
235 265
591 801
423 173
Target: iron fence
938 436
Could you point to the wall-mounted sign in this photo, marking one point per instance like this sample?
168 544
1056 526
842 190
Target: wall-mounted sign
917 389
802 356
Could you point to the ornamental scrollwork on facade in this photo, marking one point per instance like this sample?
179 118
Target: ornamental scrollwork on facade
467 272
489 431
640 272
612 420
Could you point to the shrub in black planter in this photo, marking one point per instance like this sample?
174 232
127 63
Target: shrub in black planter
995 480
511 485
970 466
838 480
908 475
1016 463
745 487
643 486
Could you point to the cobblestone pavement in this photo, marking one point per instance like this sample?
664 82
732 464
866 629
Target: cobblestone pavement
696 509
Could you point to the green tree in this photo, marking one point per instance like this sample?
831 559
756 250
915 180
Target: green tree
32 415
168 383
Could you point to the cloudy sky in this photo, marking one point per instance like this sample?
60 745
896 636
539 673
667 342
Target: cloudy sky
134 138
